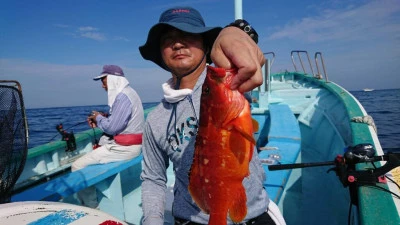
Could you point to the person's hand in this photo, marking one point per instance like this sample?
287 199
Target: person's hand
92 119
235 48
91 123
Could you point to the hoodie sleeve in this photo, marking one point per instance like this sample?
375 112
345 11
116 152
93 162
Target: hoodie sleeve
154 178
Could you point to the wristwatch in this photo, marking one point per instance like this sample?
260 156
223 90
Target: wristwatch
246 27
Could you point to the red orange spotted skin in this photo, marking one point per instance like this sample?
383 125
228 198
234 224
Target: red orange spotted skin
223 149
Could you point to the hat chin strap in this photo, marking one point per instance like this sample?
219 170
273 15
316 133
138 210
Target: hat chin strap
178 79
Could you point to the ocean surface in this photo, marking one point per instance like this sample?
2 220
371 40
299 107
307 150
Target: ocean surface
382 105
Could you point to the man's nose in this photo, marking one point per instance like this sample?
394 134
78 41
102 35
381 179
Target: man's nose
177 44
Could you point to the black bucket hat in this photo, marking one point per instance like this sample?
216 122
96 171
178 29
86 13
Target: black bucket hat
185 19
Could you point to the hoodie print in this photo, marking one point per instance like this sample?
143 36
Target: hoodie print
183 132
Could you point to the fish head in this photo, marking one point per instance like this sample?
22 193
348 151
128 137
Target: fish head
218 101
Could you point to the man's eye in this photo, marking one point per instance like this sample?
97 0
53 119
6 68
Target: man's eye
166 40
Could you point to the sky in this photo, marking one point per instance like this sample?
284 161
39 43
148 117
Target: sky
55 48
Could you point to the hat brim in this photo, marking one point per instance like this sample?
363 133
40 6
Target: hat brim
100 76
151 49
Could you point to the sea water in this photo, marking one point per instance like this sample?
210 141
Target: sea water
382 105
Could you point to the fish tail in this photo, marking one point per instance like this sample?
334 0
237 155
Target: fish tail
238 210
217 219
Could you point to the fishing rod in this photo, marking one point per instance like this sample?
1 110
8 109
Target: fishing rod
70 138
58 127
345 165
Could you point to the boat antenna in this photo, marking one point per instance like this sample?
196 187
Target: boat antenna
238 9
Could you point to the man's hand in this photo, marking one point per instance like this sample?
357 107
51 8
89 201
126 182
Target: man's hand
235 48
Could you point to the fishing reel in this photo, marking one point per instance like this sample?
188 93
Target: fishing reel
348 175
345 167
69 138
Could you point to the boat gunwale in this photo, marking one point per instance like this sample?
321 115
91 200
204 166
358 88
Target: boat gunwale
386 214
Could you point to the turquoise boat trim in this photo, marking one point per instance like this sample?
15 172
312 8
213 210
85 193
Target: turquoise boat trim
375 206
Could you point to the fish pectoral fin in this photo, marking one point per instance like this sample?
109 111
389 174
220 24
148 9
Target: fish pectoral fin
238 142
255 125
245 134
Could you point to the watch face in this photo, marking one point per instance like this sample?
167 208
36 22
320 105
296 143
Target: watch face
247 28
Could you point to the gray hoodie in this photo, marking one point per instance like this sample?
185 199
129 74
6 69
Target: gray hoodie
163 143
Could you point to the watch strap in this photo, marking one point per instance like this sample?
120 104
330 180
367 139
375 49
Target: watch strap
246 27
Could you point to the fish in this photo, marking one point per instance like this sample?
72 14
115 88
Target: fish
223 149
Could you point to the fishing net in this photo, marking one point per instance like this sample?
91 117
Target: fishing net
13 137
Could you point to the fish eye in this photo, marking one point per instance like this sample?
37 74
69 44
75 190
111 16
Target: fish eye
206 90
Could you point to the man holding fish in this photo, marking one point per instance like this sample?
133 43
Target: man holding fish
218 175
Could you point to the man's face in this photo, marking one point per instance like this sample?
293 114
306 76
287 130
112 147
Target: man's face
104 83
181 51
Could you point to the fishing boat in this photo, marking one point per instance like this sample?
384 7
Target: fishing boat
307 123
317 144
310 124
368 89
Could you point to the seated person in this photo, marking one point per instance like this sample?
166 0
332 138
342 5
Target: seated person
122 139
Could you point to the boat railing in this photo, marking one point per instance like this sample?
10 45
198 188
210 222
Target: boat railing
272 58
260 94
299 53
318 75
317 55
267 69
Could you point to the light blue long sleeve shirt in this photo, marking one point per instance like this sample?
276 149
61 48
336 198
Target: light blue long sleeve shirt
119 118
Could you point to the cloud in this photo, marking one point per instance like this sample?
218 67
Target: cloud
89 32
350 24
93 35
359 42
85 29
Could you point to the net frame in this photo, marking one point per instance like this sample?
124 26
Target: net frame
14 136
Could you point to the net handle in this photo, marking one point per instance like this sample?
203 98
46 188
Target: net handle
17 85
